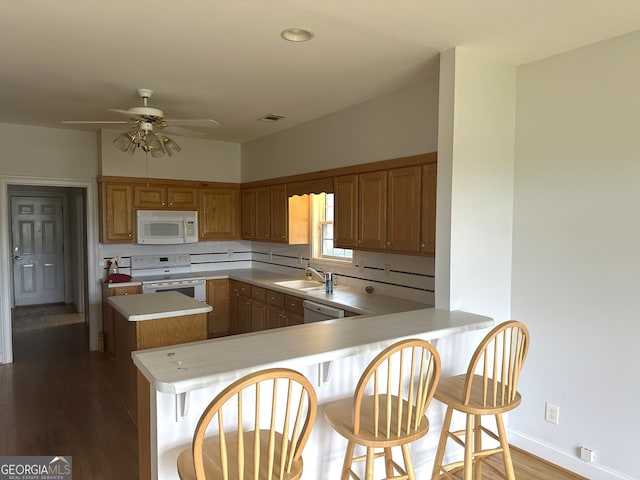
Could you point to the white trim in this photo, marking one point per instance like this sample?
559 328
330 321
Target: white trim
593 471
93 310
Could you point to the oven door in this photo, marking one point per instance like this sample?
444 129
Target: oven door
193 288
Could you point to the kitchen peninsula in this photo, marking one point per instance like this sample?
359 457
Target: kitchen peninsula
180 381
152 320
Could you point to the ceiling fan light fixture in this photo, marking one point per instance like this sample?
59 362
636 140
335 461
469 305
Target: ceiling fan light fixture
124 141
297 34
169 145
151 143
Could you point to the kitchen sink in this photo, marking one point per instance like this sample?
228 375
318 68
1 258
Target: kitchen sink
301 284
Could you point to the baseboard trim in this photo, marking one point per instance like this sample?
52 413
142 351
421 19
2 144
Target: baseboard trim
592 471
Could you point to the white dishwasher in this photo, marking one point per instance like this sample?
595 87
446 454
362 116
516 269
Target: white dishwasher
316 312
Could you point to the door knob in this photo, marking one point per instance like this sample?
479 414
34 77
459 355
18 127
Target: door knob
18 257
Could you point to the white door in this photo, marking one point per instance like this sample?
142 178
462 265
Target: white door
38 255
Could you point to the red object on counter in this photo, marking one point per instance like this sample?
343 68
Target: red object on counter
118 278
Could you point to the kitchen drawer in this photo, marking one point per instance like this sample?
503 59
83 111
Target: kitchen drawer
258 293
274 298
131 290
244 289
293 305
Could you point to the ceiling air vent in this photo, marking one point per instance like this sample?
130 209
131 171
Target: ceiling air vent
272 117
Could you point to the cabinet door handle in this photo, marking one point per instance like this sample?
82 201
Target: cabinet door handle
388 244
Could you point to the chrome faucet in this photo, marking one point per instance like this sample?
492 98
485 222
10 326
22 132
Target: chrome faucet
309 271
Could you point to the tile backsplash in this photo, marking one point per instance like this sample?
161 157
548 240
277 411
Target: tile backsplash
404 276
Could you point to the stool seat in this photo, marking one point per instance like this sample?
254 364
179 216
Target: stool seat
388 408
340 415
450 392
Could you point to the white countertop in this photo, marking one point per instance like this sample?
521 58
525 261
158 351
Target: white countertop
152 306
348 298
183 368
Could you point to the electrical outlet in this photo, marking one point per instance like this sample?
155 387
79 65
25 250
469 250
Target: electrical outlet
552 413
587 455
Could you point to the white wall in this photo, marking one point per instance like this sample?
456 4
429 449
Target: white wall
45 157
48 152
200 159
576 259
477 119
396 125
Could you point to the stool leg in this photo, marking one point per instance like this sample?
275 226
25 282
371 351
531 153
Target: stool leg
348 460
442 444
408 464
506 454
388 462
477 445
369 464
468 449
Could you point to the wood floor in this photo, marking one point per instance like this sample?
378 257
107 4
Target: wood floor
57 398
526 467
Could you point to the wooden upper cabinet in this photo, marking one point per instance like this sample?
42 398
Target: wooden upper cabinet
249 214
403 209
372 210
345 222
219 215
263 214
255 214
391 210
161 197
279 213
428 230
117 224
268 215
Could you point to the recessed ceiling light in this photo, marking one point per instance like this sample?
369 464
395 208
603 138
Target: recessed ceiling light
297 34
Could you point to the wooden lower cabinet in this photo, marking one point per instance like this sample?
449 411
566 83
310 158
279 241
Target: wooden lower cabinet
218 296
255 308
131 336
293 310
108 318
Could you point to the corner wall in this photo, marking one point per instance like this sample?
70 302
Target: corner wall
475 158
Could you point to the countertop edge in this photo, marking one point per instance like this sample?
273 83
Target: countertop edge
405 325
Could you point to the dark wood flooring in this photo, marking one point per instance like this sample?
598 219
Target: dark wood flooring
57 398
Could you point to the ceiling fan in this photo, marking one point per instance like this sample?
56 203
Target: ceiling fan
144 123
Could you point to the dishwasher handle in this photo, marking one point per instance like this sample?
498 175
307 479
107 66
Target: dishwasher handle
316 311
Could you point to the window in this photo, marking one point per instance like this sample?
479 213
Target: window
322 246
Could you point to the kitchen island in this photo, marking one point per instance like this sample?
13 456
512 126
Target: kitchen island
180 381
147 321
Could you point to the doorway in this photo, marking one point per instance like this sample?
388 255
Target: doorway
47 228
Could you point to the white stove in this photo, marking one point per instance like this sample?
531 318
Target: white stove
162 273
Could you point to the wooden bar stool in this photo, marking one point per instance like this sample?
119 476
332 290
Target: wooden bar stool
272 411
388 407
488 388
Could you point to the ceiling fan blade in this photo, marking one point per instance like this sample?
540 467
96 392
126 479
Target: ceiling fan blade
193 122
79 122
185 132
130 114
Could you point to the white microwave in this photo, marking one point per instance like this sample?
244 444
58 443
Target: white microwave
163 227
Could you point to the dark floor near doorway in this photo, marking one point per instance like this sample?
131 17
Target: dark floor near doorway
57 398
44 316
